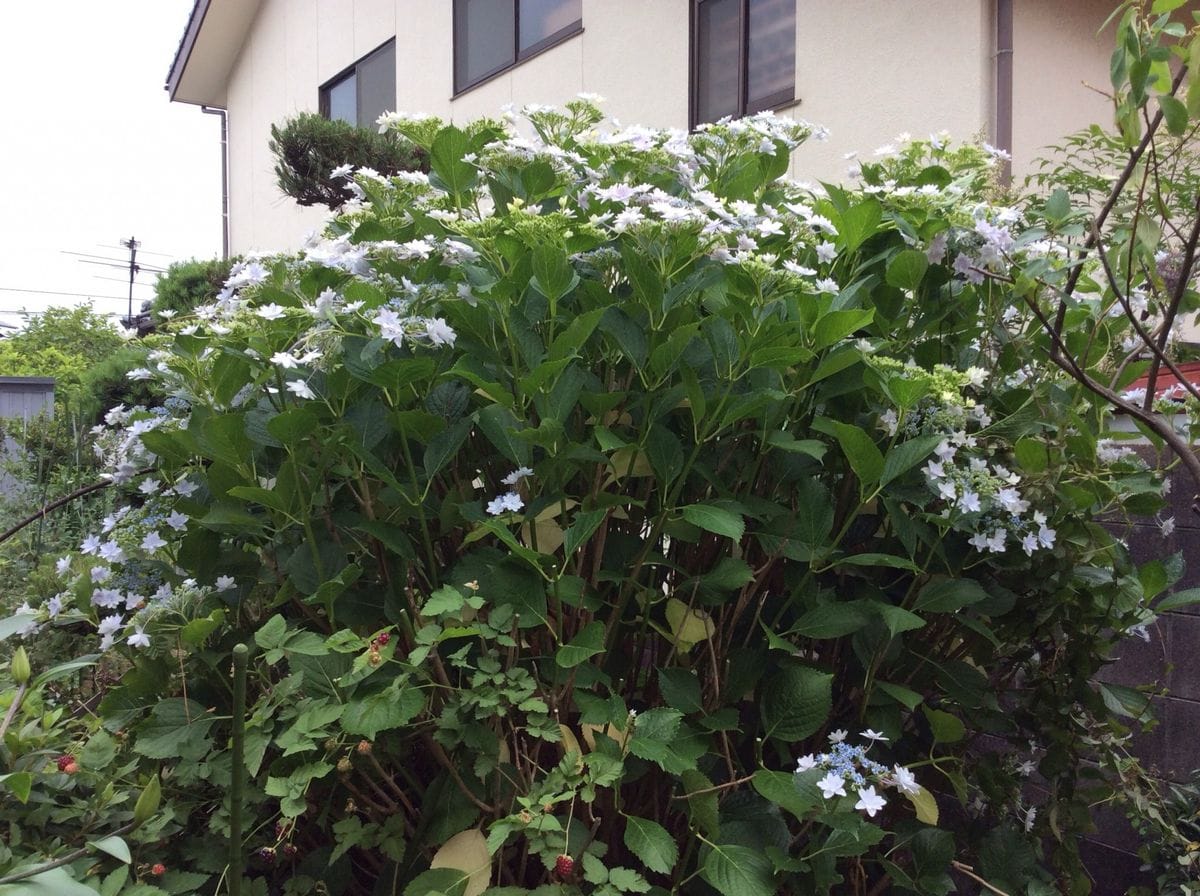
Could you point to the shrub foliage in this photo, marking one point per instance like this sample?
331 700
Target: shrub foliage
308 148
611 514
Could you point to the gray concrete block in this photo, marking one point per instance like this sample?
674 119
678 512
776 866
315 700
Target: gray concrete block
1183 639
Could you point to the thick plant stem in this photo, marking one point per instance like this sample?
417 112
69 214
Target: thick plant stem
237 769
12 710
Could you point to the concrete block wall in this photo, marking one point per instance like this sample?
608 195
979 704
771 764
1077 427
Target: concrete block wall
1170 658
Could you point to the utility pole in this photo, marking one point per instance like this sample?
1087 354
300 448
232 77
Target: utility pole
132 245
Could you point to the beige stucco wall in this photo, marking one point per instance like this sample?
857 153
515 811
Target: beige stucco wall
870 71
1057 54
275 75
866 69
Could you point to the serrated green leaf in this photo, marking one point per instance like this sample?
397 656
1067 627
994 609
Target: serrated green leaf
627 880
553 275
438 882
446 599
651 843
583 526
588 642
99 752
390 708
702 801
680 689
446 159
442 447
949 595
831 621
1058 206
860 450
175 728
903 457
907 269
738 871
906 696
834 326
898 620
729 574
796 701
858 223
780 788
715 519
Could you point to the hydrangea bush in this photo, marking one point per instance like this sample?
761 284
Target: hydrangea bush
610 514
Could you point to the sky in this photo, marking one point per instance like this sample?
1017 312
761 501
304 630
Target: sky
92 153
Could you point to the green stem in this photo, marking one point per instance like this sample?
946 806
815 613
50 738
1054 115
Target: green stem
64 860
237 769
431 576
12 710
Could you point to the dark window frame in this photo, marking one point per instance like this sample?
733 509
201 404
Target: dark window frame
519 56
352 71
746 104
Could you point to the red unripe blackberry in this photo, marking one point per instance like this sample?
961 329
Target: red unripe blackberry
564 865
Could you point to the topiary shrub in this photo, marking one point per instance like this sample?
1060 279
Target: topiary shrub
187 284
308 150
610 514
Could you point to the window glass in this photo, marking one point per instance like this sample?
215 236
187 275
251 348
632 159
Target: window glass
377 85
342 98
542 19
719 39
484 39
771 57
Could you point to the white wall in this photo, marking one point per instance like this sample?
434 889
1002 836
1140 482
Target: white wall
866 69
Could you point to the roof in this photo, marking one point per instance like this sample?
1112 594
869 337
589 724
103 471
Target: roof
1167 385
208 49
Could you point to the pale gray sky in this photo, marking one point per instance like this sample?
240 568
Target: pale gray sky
92 153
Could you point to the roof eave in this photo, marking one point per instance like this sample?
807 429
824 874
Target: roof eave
215 33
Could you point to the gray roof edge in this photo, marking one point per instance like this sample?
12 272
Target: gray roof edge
26 381
184 51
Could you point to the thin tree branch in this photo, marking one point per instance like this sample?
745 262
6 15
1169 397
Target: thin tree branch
970 872
1157 347
1185 272
1058 354
54 505
1114 196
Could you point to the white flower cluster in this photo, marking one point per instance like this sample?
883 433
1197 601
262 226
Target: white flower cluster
124 575
510 501
849 766
975 491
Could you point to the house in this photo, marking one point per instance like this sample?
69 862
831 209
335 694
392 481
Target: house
1015 71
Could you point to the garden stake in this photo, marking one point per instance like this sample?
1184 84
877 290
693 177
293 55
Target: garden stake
237 769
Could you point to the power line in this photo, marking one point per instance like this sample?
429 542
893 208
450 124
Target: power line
54 292
122 280
137 268
26 313
143 251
